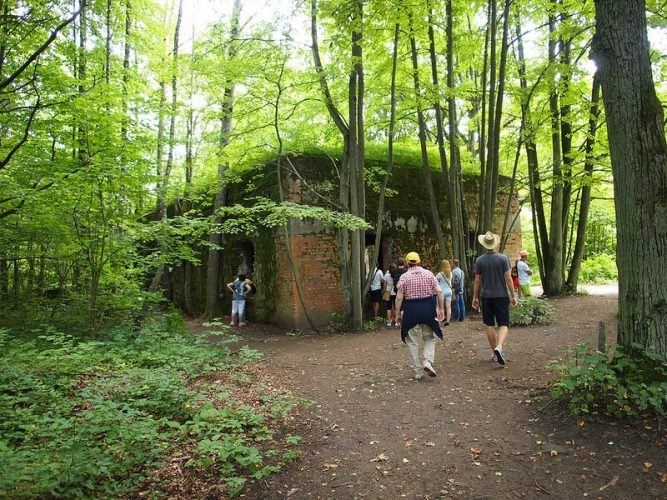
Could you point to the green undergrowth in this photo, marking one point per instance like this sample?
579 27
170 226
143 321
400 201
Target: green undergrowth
629 384
93 418
600 269
532 311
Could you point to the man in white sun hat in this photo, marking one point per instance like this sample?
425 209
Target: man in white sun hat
492 275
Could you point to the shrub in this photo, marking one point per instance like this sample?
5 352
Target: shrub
532 311
599 269
627 385
92 418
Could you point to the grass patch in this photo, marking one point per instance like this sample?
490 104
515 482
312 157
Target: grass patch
82 418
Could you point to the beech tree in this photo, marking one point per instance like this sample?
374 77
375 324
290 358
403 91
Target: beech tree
352 185
635 125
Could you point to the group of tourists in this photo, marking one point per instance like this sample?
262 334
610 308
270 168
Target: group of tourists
451 278
422 302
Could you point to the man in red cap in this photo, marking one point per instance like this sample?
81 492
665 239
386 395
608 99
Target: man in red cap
418 315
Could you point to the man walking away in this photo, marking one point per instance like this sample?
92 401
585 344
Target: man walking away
458 298
398 272
418 315
492 274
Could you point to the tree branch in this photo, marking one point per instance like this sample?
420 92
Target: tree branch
8 81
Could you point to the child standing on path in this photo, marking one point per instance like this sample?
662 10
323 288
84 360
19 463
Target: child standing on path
444 278
239 288
389 295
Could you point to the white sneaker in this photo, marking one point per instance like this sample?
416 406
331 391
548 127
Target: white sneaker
499 355
417 377
428 368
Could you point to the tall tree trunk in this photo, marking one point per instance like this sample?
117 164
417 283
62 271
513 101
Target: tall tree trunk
635 125
498 113
107 52
356 168
451 178
4 9
486 200
214 279
358 57
426 168
489 33
81 152
390 156
163 179
188 298
125 120
83 158
553 263
565 48
496 96
190 123
458 213
349 243
585 203
540 233
439 127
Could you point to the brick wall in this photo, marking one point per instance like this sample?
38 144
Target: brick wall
316 266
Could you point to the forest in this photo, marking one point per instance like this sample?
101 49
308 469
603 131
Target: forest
123 123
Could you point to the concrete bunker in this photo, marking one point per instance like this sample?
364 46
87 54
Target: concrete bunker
407 226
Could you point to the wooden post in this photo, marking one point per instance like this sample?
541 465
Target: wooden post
602 336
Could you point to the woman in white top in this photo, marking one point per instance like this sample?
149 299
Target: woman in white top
444 278
376 291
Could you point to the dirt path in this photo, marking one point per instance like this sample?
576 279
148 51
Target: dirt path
477 430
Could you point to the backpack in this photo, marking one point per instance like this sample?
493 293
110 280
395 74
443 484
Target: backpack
239 288
456 282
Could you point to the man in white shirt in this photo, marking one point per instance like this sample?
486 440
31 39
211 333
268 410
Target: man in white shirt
524 272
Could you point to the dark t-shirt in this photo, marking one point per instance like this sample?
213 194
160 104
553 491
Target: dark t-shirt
492 267
396 275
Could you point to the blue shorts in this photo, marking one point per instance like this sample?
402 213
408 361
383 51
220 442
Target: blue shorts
496 310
